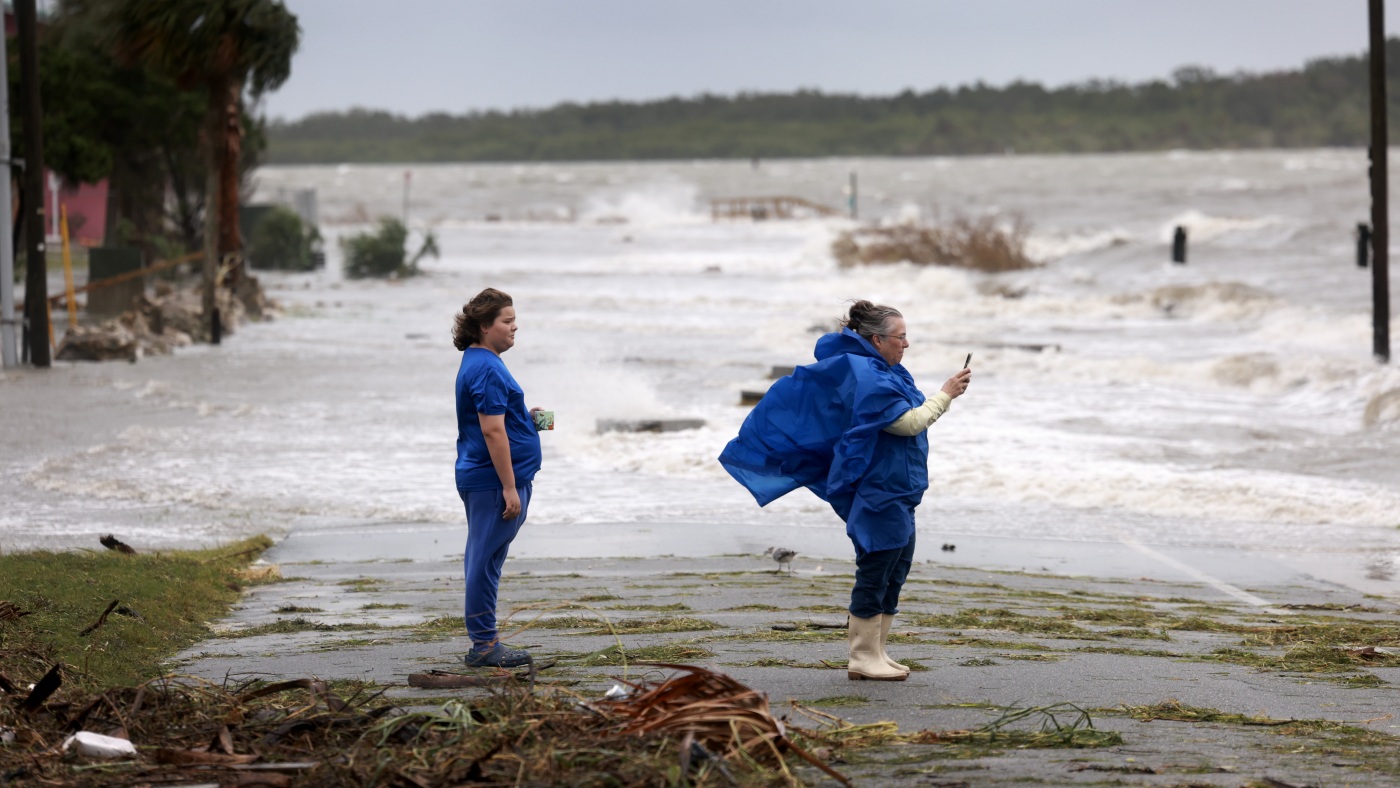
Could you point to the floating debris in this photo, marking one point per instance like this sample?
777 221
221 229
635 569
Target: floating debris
648 425
157 324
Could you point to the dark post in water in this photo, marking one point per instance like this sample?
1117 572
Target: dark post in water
1179 245
1363 244
1380 207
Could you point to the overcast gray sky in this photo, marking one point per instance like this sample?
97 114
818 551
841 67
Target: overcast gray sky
417 56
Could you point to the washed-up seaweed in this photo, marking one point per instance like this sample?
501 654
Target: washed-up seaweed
1061 725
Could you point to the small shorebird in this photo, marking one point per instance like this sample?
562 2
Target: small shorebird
783 556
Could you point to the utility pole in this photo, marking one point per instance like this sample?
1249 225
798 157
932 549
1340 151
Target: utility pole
36 282
1380 190
7 249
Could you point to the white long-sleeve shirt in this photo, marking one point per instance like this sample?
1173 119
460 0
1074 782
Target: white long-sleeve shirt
916 420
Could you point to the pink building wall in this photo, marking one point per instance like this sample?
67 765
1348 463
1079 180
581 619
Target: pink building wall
87 210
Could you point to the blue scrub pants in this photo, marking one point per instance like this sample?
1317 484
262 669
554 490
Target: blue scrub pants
880 576
488 540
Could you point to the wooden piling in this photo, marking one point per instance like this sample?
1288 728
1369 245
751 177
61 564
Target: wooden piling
1380 204
1379 188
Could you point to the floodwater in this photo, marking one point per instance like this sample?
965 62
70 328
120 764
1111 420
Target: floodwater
1232 401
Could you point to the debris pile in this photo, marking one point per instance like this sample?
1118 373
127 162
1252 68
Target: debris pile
700 726
986 243
157 324
719 720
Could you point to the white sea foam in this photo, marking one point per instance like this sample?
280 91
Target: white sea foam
1203 227
1230 400
1045 247
646 204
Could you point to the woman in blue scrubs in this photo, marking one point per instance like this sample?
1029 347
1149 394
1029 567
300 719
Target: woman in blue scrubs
498 453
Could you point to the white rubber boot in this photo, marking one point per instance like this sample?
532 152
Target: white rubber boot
863 635
886 621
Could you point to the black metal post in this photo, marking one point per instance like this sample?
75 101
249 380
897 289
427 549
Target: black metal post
1380 190
36 282
1179 245
1363 244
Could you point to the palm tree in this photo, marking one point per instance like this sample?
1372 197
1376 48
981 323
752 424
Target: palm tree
222 47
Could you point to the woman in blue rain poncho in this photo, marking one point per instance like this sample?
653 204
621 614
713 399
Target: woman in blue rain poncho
852 429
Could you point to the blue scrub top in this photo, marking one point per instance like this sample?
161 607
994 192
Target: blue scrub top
485 386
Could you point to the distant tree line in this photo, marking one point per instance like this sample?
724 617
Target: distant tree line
1325 103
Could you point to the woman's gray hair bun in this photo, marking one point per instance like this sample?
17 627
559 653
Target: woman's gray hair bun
869 319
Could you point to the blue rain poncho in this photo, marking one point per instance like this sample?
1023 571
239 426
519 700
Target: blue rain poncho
822 428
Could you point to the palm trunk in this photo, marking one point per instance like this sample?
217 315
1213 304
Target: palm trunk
230 237
212 142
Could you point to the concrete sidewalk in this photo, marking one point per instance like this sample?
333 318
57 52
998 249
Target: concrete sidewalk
1112 627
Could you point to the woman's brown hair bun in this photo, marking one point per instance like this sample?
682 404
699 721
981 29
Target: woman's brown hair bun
476 315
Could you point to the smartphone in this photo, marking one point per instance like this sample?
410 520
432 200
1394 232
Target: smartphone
967 361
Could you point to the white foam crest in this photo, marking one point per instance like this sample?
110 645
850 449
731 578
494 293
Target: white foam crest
1157 490
974 295
687 454
1203 227
1382 410
1259 373
897 284
1317 329
421 494
656 203
1049 246
1209 302
588 394
1326 160
161 392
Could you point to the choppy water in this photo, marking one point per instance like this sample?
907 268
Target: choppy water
1231 401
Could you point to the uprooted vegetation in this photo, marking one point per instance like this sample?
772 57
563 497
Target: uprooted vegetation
696 727
700 727
990 244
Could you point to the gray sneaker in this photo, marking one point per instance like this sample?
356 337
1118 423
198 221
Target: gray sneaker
497 657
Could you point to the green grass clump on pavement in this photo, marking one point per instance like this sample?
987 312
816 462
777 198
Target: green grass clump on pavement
113 618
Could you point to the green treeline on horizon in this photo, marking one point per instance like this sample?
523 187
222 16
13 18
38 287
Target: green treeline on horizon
1323 104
